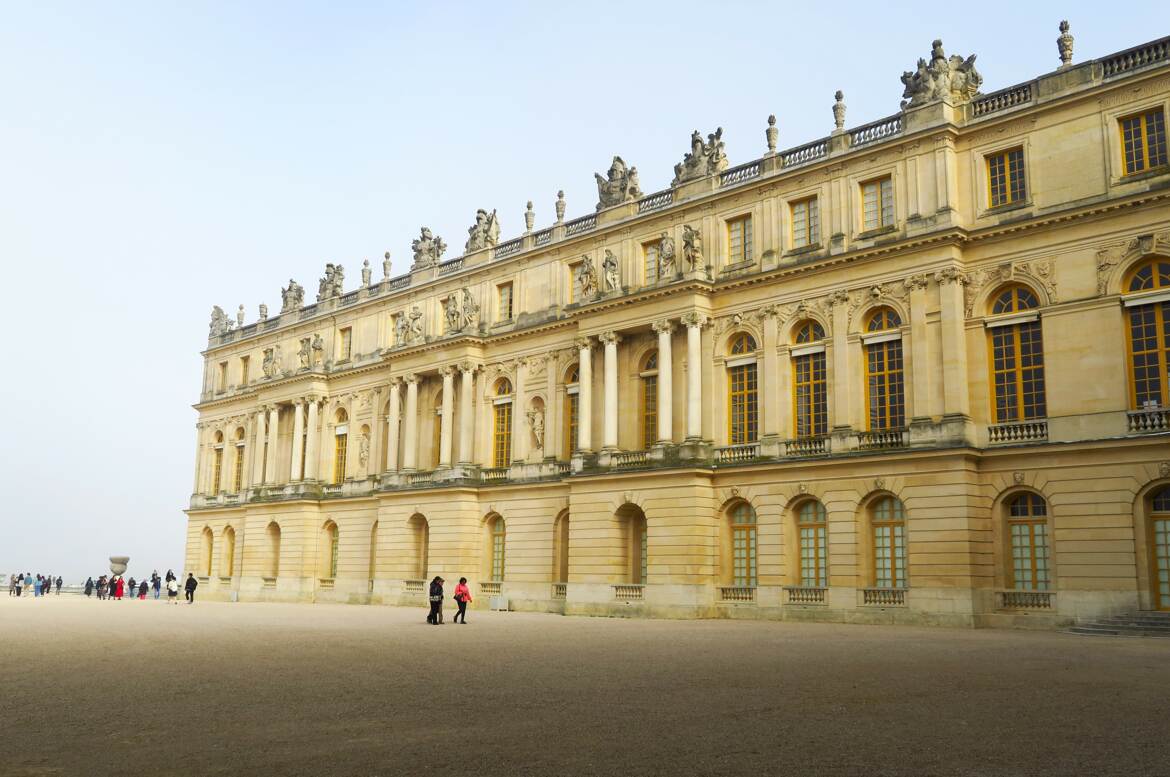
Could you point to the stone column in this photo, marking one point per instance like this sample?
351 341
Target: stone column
273 429
768 376
840 379
447 417
313 442
258 454
920 369
694 323
665 329
609 437
466 415
195 488
410 432
298 431
519 417
584 395
392 416
954 344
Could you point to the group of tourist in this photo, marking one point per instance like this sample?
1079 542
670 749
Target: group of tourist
462 599
115 587
41 585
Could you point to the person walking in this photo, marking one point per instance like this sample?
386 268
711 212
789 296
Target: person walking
436 598
37 586
143 587
172 590
12 585
133 589
59 582
462 597
171 576
89 587
28 583
156 583
119 588
190 587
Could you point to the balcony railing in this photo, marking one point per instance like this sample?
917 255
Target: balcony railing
1024 431
450 266
493 475
737 593
655 201
1152 420
883 439
627 592
1025 600
809 152
348 298
1137 57
490 587
414 586
543 237
884 597
875 131
583 224
401 282
560 590
740 174
802 594
1004 98
734 454
508 248
807 446
564 468
325 583
419 478
630 459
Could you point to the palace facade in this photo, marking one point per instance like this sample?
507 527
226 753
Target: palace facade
914 371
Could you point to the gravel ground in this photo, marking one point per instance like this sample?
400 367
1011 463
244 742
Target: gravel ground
273 689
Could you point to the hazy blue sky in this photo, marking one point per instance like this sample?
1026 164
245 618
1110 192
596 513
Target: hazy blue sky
159 158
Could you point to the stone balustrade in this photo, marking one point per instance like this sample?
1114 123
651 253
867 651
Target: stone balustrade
799 594
1025 600
1146 421
656 201
1138 57
807 446
626 592
883 597
802 155
1020 94
875 131
883 439
1024 431
737 454
490 587
737 593
740 174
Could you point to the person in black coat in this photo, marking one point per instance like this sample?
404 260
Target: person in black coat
190 587
89 587
436 597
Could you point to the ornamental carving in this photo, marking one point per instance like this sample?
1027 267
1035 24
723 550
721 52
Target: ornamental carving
703 159
221 323
1110 256
461 311
610 272
1041 273
271 364
484 233
292 297
955 79
408 327
427 248
330 286
620 185
666 256
586 279
692 248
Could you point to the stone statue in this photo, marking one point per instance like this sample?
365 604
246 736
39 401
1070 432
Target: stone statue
610 271
586 279
560 206
386 266
771 134
240 316
364 449
330 286
318 351
304 352
451 308
427 249
416 325
529 217
620 185
1064 44
292 297
220 323
484 233
263 312
271 364
338 280
839 110
954 79
366 272
666 256
401 329
703 159
469 313
536 421
692 248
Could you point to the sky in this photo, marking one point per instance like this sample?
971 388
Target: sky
160 158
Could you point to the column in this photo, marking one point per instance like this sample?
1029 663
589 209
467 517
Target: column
258 454
198 457
609 436
447 417
768 377
298 431
410 446
313 442
466 414
842 380
954 344
270 459
664 329
584 395
392 416
694 323
921 370
519 416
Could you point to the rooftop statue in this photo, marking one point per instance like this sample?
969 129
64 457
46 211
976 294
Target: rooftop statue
954 79
292 297
484 233
427 249
703 159
620 185
330 286
221 324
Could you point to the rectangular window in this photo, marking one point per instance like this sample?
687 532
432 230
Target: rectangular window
806 225
339 453
649 411
650 261
217 470
743 411
572 407
502 435
877 203
1149 345
739 240
1143 141
743 546
244 364
1017 365
889 551
574 292
238 475
1005 178
812 555
222 379
346 346
1029 555
504 301
886 392
811 395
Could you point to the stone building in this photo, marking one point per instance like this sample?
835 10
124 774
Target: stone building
914 371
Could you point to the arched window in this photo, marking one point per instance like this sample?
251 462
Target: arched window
809 385
373 553
885 391
1149 336
1160 534
742 395
1017 357
502 424
207 551
217 463
272 568
572 408
1027 521
229 552
743 545
561 549
330 548
498 537
649 375
340 445
888 526
810 522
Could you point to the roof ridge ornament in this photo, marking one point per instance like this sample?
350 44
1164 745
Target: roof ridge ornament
954 80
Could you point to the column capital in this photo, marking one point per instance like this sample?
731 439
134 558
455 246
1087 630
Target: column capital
583 343
916 282
411 379
693 319
448 370
610 338
468 367
950 275
664 326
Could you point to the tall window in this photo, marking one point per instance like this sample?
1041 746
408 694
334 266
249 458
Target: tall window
1028 530
806 225
1017 359
1143 141
650 253
885 391
1149 336
1160 533
810 520
238 474
229 552
739 240
340 446
222 379
877 203
498 536
809 385
1005 178
504 301
345 346
649 376
742 398
572 408
244 364
743 545
437 429
888 523
217 469
208 552
502 426
332 548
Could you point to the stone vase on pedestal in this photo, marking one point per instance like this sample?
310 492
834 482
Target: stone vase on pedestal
118 564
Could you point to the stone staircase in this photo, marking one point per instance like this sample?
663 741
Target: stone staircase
1144 623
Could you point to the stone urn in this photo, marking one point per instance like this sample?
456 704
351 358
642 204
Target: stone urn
118 564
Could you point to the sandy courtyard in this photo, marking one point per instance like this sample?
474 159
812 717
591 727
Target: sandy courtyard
140 688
